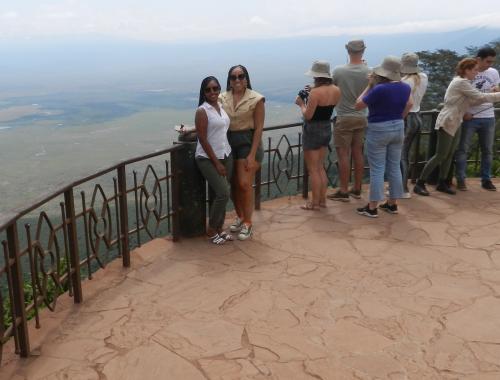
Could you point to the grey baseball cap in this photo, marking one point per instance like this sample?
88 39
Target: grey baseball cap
355 46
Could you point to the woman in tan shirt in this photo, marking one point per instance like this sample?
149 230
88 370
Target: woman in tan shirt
460 96
246 111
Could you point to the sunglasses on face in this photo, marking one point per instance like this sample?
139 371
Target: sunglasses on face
208 90
239 77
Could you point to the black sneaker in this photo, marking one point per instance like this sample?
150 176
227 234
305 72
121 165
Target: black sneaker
355 193
461 185
366 211
445 188
339 196
391 209
488 185
420 189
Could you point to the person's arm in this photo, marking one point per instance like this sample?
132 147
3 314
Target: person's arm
360 101
309 108
201 124
408 106
477 97
259 115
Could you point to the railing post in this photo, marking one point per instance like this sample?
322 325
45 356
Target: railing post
305 184
176 172
74 256
122 191
431 148
19 320
258 180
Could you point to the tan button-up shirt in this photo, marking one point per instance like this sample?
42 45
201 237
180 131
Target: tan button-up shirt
241 116
460 96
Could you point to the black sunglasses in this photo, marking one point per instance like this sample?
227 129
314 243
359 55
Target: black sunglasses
211 89
240 77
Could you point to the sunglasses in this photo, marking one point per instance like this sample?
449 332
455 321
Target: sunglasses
240 77
208 90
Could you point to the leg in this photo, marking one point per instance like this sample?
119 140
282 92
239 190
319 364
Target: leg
486 134
244 198
412 127
468 129
376 150
220 187
357 156
393 160
343 160
444 169
443 146
235 193
312 156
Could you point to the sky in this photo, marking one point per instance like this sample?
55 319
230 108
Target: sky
187 20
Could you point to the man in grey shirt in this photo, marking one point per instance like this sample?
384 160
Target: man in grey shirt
350 124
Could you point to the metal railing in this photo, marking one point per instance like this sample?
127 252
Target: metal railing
50 246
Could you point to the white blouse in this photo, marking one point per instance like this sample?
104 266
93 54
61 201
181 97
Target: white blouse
217 127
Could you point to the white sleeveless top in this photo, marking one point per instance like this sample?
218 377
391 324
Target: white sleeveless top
216 132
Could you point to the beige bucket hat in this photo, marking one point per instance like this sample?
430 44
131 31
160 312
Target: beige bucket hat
409 63
319 69
389 68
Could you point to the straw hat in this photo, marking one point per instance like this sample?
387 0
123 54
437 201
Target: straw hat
409 63
319 69
390 68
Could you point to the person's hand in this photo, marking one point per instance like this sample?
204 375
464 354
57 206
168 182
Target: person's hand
299 101
467 116
220 169
250 163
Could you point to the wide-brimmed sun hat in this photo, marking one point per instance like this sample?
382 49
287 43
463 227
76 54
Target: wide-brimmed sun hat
355 46
319 69
389 68
409 63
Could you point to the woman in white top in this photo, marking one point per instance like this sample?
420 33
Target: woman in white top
459 97
413 123
213 155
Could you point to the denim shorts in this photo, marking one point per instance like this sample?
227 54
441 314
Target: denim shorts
241 144
316 134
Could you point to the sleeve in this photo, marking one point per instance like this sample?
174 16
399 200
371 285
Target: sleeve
477 97
371 96
497 78
335 75
257 98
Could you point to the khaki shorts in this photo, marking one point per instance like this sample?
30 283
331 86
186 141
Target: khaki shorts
349 131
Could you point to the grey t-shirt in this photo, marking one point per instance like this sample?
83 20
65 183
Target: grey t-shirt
352 79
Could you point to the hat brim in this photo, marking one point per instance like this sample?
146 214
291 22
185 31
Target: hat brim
316 74
379 70
410 69
355 50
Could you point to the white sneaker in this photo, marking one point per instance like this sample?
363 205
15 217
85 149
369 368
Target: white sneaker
236 226
406 195
245 233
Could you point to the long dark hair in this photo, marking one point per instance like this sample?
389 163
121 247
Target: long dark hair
245 71
204 83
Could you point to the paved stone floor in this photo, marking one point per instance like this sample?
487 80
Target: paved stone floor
315 295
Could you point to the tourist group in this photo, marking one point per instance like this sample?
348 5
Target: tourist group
375 108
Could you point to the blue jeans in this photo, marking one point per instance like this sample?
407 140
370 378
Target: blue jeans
485 128
384 141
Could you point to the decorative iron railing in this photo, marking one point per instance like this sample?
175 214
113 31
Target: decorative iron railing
63 237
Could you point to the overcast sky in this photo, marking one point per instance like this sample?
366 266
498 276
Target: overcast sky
180 20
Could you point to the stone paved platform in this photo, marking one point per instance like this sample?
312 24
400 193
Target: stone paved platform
315 295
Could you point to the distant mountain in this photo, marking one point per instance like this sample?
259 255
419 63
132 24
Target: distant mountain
276 65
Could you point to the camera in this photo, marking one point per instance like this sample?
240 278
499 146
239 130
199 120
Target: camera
303 94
